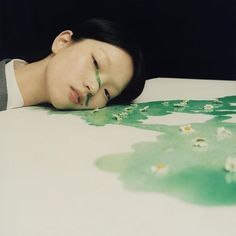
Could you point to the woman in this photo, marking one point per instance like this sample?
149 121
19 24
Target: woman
96 64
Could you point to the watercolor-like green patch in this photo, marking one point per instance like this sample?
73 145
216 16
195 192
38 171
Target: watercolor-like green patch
195 174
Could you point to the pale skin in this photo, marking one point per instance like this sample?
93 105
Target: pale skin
76 75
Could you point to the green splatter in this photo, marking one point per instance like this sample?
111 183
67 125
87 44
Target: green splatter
194 174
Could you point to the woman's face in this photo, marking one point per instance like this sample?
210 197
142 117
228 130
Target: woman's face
86 74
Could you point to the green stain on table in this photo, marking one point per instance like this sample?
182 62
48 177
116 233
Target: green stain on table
191 173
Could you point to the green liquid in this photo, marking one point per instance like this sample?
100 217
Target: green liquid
196 174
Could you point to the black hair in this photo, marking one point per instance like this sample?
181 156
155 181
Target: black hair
118 35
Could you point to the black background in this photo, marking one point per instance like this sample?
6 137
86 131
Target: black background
180 38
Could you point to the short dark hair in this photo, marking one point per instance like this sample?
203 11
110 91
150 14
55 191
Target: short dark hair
118 35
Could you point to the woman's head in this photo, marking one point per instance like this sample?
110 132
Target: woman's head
98 62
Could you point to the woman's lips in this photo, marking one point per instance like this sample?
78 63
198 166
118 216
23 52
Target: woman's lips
75 96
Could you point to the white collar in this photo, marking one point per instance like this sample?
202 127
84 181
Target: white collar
15 98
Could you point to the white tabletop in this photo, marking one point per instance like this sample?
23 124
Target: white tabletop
51 182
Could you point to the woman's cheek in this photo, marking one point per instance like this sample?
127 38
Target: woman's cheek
97 102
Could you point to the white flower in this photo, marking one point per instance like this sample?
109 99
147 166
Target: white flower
123 114
223 133
117 117
160 168
134 104
230 164
200 142
186 128
208 108
165 103
95 110
144 109
217 101
127 109
183 103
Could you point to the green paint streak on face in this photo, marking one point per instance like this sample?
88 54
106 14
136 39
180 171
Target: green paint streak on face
99 85
172 164
98 78
87 99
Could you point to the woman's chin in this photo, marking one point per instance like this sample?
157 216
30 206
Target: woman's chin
61 105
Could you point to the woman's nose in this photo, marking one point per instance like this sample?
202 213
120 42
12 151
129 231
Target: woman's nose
91 87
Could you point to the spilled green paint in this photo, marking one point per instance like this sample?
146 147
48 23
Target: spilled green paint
195 174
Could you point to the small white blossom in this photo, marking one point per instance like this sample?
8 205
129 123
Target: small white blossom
200 142
95 110
182 103
117 117
144 109
230 164
160 168
208 108
217 101
186 128
165 103
134 105
223 133
127 109
123 114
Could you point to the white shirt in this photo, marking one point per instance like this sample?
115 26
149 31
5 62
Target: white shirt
15 98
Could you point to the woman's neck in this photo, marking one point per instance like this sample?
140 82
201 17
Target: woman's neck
31 80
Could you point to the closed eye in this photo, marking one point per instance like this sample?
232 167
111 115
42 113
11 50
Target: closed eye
97 71
95 63
107 94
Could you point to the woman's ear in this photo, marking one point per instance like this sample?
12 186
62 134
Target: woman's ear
63 40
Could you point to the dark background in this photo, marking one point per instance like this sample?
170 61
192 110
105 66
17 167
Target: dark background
180 38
